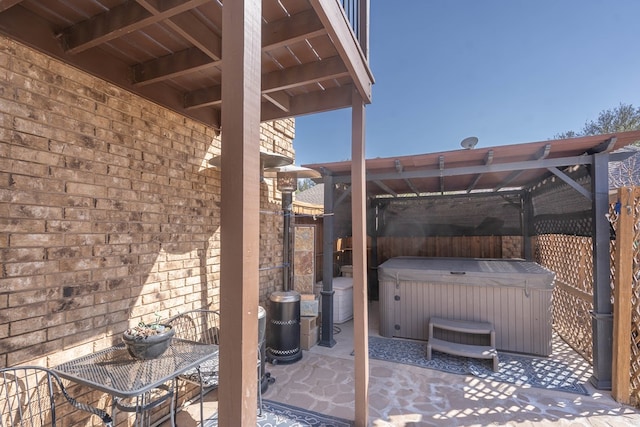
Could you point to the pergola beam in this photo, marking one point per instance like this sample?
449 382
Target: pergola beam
542 154
399 169
604 147
571 182
385 188
487 161
342 196
482 169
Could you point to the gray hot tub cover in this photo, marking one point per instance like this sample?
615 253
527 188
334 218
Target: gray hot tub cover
468 271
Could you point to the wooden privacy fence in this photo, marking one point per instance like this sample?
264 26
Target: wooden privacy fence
626 295
440 246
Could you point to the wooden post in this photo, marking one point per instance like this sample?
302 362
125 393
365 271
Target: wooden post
240 213
360 299
621 384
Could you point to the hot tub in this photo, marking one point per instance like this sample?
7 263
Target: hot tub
514 295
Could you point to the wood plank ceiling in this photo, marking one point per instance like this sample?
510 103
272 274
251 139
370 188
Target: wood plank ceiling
170 51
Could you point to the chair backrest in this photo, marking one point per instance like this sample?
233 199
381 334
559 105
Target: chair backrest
29 394
197 325
26 397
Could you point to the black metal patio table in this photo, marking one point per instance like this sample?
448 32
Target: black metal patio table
115 372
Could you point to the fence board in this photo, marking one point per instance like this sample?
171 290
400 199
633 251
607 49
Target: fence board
626 326
440 246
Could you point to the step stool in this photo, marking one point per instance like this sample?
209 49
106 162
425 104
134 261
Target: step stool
465 350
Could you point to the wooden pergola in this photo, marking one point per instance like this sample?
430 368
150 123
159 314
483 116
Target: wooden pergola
487 171
230 68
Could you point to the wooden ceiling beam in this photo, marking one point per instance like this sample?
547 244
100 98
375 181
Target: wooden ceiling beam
282 32
276 81
279 99
175 65
198 34
300 75
203 98
313 102
6 4
290 30
120 20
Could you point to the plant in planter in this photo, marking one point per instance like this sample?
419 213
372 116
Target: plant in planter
148 340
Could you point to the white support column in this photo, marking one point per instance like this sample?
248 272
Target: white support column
240 219
360 298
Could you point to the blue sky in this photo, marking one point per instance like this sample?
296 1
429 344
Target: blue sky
505 71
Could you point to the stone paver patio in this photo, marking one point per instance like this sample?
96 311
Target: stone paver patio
402 395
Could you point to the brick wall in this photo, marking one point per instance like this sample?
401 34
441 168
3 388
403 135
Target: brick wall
108 211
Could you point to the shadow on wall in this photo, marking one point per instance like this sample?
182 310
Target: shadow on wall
109 210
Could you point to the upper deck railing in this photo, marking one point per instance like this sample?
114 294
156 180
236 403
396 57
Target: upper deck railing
357 12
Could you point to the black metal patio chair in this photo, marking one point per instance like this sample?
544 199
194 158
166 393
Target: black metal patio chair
204 326
201 326
29 396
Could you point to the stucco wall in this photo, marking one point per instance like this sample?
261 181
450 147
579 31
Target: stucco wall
108 211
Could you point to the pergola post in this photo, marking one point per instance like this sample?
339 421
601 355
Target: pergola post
527 225
602 322
359 233
326 340
240 220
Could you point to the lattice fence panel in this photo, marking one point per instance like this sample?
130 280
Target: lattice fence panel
571 258
635 302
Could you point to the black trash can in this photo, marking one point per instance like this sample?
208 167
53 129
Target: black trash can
284 328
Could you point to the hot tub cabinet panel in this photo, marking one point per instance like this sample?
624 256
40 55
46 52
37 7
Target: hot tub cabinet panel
514 295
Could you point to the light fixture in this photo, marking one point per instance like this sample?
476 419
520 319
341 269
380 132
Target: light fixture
287 182
268 160
287 176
